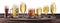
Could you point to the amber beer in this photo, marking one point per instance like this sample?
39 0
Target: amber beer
31 13
6 11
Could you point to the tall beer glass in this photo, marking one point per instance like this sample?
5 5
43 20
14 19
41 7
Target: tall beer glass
23 8
6 11
53 8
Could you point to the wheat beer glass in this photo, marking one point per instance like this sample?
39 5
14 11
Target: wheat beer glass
23 8
53 8
39 12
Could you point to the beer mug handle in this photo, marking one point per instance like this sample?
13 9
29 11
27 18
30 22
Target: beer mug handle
18 13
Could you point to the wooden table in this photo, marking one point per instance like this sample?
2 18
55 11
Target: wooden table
27 20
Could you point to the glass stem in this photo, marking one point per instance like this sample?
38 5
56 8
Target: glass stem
23 15
45 15
53 15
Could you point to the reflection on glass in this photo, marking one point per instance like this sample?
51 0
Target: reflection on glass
32 12
6 11
53 8
46 10
39 12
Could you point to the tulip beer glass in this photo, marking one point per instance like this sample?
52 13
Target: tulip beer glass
23 8
53 8
46 10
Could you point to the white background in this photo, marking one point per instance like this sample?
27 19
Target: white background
30 4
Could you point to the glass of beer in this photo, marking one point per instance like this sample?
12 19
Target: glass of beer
53 8
23 8
46 10
6 11
15 11
39 12
31 13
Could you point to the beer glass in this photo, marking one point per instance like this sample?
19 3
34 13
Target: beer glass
39 12
23 8
31 13
6 11
53 8
15 11
46 10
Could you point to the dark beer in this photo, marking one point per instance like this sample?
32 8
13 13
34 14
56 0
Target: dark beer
6 11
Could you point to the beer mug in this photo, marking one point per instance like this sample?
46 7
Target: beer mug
31 13
23 9
15 12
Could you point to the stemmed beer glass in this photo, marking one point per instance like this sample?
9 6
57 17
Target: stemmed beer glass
53 8
46 10
23 8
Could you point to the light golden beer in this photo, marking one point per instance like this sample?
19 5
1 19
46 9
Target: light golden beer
46 10
23 8
39 12
53 8
15 12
